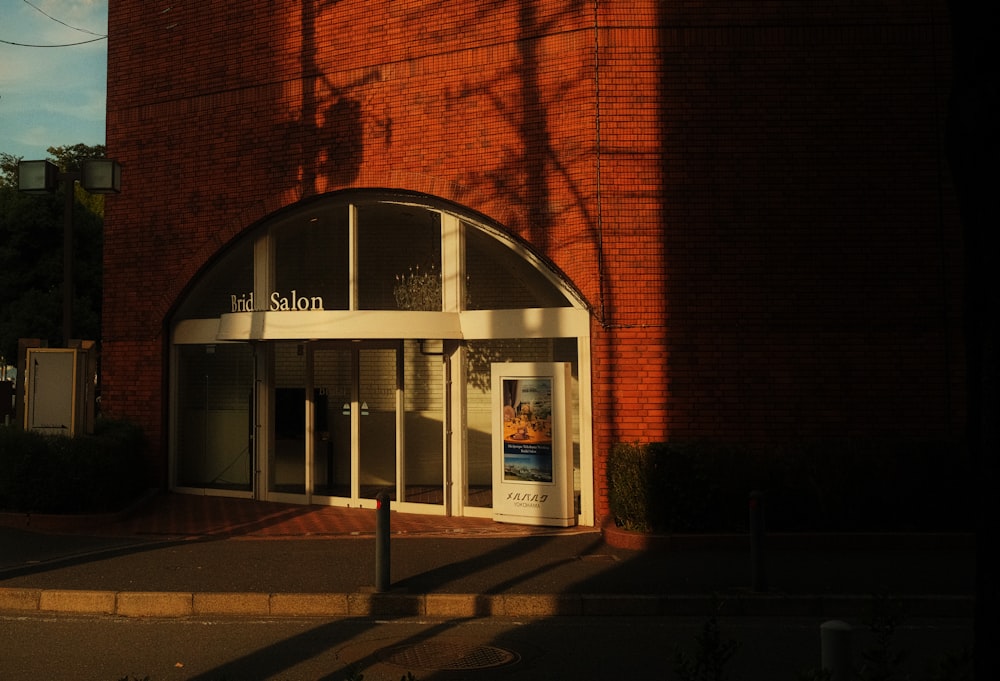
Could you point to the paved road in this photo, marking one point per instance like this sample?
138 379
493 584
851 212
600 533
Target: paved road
290 649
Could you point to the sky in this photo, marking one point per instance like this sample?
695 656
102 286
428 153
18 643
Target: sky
52 96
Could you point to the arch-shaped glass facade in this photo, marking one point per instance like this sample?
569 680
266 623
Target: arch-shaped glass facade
343 347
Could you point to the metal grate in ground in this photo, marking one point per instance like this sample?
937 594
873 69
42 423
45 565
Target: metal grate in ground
447 656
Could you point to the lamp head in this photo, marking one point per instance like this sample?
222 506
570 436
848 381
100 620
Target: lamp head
37 177
101 176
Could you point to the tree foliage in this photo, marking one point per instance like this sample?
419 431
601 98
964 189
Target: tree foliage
31 257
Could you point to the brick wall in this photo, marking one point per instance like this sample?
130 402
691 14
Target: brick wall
813 255
751 196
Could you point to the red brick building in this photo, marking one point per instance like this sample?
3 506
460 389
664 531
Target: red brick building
734 220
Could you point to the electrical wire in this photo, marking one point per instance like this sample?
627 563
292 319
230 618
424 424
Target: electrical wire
60 21
99 36
82 42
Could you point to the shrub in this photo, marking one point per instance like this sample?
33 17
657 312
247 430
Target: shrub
679 486
55 474
25 466
632 487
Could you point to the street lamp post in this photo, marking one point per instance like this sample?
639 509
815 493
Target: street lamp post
97 176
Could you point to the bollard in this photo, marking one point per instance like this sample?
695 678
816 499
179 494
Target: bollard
382 542
835 650
758 576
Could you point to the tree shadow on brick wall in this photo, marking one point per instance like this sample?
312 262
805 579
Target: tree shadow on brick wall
523 178
325 139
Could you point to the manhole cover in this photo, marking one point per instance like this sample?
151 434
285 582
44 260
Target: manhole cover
443 656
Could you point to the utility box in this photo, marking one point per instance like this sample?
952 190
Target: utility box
58 391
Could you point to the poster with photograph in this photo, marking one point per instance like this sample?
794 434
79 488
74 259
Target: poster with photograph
527 429
532 443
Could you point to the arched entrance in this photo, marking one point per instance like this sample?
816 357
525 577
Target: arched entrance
344 346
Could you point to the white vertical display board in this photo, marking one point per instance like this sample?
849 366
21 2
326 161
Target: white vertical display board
532 443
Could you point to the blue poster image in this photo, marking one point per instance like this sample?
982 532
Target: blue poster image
527 429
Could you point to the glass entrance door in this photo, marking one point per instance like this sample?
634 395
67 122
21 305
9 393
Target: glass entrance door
377 406
353 419
355 445
286 471
332 450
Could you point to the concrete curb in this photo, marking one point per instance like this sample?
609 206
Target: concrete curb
174 604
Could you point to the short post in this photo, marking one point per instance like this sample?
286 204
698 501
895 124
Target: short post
382 542
758 576
835 649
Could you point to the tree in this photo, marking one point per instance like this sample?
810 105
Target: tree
8 169
31 256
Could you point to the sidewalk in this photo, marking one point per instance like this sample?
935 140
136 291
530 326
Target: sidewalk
211 556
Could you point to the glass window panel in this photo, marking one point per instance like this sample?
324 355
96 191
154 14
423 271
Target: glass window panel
312 256
214 388
423 456
399 257
377 404
287 465
498 278
333 378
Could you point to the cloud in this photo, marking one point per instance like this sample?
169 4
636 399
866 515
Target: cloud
54 95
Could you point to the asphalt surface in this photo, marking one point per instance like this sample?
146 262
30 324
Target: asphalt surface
485 570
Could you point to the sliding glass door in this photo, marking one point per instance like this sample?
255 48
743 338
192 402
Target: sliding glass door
347 424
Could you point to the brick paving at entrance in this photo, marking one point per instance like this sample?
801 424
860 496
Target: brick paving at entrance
183 515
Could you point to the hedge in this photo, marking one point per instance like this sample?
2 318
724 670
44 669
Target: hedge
86 474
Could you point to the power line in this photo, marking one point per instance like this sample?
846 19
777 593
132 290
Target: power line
59 21
99 36
82 42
